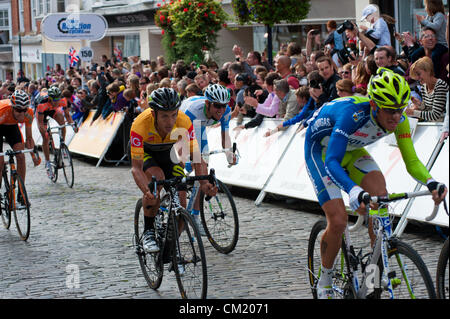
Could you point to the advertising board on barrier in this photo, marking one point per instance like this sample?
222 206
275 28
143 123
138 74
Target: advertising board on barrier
258 167
259 155
74 26
94 138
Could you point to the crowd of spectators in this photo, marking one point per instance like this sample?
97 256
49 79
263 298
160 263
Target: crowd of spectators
338 66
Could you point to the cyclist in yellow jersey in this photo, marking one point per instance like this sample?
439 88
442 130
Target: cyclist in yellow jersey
153 135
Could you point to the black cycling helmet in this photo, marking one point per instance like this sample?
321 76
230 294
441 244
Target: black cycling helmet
54 92
164 99
20 99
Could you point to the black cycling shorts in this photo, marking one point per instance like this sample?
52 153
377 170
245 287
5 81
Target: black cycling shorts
12 135
163 161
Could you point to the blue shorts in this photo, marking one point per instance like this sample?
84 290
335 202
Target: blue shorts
357 164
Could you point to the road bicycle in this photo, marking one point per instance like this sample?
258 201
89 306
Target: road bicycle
178 238
391 268
442 271
219 215
13 195
62 159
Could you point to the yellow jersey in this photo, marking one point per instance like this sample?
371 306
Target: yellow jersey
144 137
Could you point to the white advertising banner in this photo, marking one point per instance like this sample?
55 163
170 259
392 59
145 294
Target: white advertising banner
259 155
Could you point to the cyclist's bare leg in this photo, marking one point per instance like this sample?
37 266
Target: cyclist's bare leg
375 184
59 117
151 210
332 238
21 167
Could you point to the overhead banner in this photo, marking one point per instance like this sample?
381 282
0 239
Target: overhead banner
74 26
94 138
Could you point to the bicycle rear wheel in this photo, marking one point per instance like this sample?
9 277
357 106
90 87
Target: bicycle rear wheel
67 164
151 263
21 208
442 273
220 219
189 254
408 274
342 285
5 207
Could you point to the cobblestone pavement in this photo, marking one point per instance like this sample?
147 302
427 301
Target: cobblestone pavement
88 231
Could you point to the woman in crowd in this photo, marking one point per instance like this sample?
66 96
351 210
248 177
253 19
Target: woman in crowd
433 92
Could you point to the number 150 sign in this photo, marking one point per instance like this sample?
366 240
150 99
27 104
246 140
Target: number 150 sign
86 54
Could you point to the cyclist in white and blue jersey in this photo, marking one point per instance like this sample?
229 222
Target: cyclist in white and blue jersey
207 110
336 158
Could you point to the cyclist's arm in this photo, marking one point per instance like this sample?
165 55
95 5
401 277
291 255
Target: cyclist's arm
29 143
41 125
413 165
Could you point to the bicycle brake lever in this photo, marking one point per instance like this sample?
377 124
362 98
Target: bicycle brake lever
212 179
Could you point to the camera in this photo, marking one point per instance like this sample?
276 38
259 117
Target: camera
347 25
315 84
344 55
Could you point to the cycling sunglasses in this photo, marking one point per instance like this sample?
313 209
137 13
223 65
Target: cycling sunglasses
219 106
20 110
391 111
53 99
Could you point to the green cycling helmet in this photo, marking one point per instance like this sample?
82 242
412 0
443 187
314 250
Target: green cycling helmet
388 89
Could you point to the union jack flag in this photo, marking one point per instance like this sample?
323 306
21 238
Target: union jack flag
73 57
118 53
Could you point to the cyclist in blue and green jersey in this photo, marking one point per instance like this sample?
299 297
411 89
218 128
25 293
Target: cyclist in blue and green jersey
336 158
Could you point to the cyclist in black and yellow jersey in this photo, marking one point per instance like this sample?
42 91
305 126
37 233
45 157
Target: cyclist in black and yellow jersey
153 134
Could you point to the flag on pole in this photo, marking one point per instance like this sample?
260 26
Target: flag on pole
73 57
118 53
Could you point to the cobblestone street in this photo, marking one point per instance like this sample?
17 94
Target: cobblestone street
88 231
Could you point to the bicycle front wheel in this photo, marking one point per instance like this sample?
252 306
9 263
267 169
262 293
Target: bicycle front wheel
442 272
151 264
21 208
67 164
189 260
408 274
5 207
342 285
220 219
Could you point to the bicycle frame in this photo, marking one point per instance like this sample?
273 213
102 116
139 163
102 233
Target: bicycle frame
385 240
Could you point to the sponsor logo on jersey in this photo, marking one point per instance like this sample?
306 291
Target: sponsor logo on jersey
135 139
358 116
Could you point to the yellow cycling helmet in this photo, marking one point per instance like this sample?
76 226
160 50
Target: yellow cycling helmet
388 89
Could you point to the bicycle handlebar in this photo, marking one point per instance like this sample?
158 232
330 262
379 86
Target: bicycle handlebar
232 149
366 198
14 153
49 128
180 180
441 188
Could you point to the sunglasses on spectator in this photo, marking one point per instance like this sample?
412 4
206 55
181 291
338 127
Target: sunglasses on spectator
20 110
428 36
344 72
142 83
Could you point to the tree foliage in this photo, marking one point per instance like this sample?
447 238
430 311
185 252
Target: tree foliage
270 12
189 27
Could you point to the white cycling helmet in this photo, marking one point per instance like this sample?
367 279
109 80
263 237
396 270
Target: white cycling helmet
216 93
20 99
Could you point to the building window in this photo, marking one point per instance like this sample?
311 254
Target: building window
61 5
4 21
